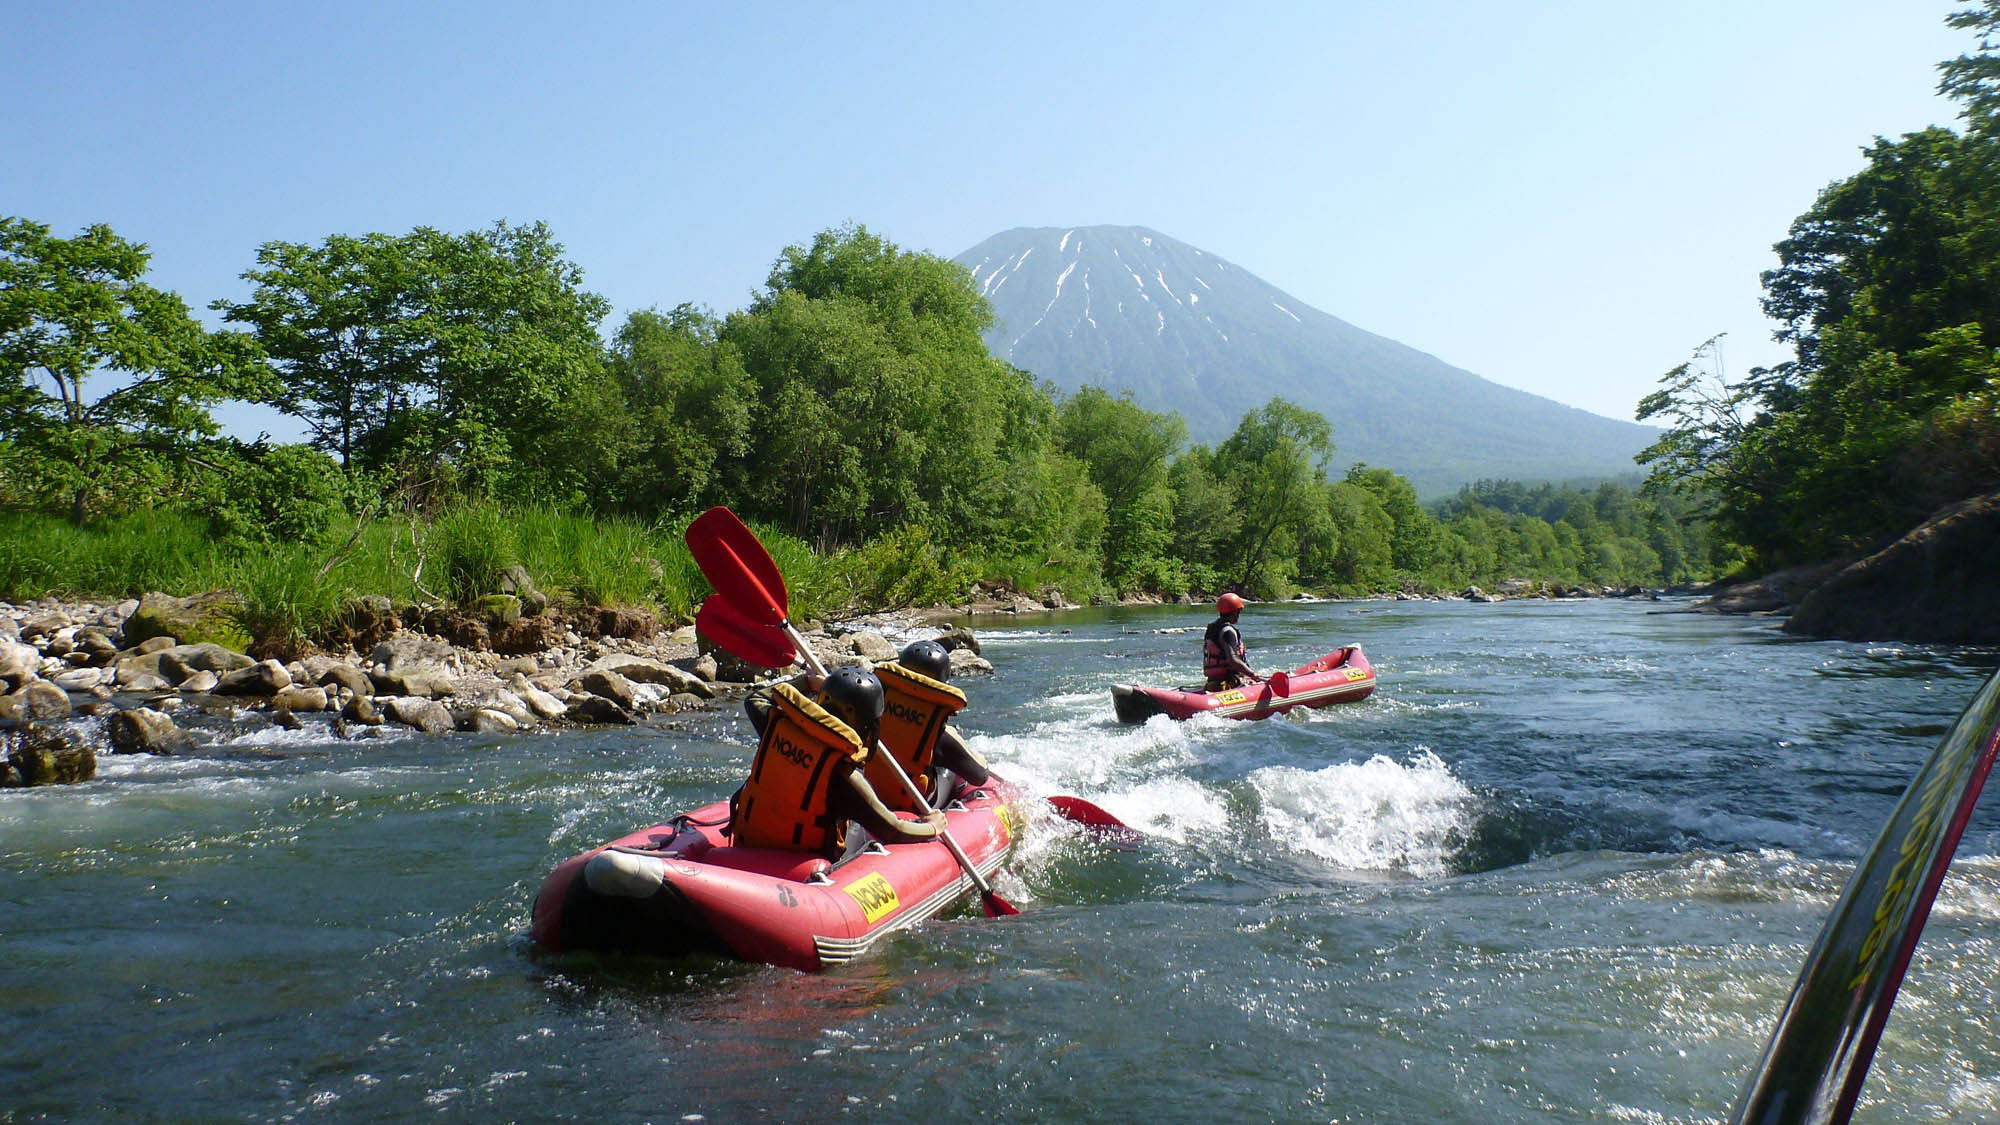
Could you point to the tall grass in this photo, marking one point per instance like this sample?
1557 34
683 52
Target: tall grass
42 556
468 548
294 593
287 601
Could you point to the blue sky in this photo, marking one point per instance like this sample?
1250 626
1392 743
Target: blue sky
1561 197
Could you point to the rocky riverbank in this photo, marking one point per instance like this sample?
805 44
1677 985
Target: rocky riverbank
135 677
169 675
1934 585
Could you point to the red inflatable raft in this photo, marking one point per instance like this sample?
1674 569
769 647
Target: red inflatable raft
679 888
1341 676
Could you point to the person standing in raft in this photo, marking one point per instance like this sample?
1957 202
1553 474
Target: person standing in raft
915 731
807 781
1222 653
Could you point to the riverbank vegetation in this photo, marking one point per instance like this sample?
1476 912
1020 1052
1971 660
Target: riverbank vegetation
467 409
464 417
1888 290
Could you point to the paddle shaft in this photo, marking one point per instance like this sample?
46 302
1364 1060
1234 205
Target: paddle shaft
819 669
805 650
924 806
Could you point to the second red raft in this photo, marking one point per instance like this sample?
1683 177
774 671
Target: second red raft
1341 676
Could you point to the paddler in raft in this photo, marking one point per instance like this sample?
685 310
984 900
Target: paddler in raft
1222 652
915 730
807 780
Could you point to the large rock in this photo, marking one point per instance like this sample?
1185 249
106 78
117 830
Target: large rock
39 755
597 709
873 647
958 637
354 680
641 670
607 685
427 715
175 663
362 709
266 679
205 618
1776 592
540 702
145 731
964 661
488 720
1932 586
78 679
300 697
407 664
40 699
18 663
97 647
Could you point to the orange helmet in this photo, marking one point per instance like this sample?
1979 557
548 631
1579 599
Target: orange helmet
1229 603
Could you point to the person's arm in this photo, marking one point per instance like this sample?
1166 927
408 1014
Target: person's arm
953 754
853 798
758 703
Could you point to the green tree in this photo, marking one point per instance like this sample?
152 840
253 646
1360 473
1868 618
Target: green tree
1127 450
878 402
1276 460
459 353
683 412
1364 556
1416 542
105 381
1207 518
1888 289
334 320
1974 79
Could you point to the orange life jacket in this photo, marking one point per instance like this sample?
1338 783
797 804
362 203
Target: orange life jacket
913 718
784 804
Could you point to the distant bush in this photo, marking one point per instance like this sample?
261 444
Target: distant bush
274 494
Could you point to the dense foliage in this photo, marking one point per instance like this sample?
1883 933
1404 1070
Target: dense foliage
464 416
1888 290
105 381
454 391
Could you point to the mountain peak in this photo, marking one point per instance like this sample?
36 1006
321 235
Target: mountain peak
1130 308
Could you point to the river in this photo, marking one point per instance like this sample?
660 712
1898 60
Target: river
1563 866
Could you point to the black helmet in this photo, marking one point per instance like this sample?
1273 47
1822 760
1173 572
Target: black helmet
854 696
926 658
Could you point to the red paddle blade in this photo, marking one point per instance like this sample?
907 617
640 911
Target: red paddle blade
997 907
1108 828
1281 683
738 566
766 646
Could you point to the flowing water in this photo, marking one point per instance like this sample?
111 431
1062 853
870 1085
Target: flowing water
1563 866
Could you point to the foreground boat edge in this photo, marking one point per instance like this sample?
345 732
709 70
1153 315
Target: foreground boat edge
1825 1037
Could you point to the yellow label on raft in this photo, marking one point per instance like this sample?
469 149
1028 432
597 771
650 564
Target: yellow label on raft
876 897
1356 674
1010 820
1233 695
